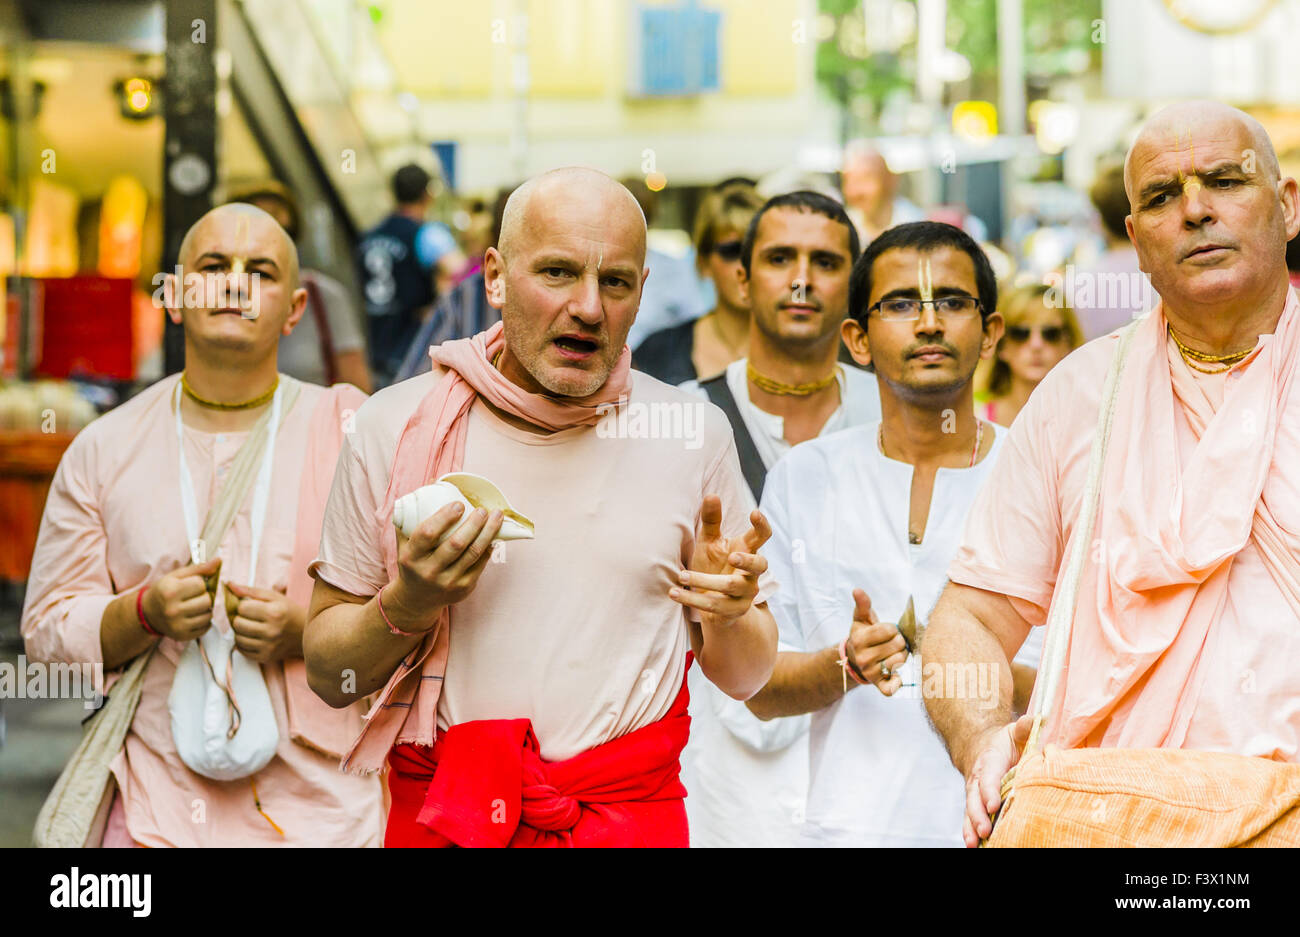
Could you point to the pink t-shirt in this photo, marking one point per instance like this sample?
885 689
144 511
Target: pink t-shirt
573 630
1249 701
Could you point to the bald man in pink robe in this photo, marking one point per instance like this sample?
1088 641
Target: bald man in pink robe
112 573
1187 625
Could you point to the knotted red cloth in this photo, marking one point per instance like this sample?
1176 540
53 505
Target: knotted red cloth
484 783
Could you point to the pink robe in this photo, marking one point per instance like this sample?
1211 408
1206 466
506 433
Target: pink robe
1187 628
113 522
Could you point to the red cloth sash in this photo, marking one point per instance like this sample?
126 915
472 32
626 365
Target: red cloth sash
484 783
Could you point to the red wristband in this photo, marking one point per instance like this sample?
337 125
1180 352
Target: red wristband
848 666
139 612
379 601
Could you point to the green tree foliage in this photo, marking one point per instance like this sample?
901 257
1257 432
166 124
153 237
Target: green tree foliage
855 70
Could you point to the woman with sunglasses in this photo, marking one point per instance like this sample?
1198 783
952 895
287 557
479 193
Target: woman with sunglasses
705 347
1037 337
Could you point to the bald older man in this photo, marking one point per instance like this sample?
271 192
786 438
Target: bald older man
123 563
535 695
1186 626
871 196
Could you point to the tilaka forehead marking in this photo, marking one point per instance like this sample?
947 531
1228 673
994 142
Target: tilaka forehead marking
925 278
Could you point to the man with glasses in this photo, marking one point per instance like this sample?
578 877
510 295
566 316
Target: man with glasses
864 525
747 778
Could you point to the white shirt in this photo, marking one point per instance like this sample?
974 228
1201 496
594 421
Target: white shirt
747 780
879 773
859 403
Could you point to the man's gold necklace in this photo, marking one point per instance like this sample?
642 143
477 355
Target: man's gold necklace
217 405
1192 356
771 386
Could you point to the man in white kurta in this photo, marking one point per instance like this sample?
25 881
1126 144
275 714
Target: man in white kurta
748 778
850 514
880 776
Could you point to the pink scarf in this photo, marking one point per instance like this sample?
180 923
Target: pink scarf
431 445
1167 531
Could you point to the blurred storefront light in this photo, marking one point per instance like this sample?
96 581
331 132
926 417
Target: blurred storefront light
953 66
136 98
1055 125
975 121
138 95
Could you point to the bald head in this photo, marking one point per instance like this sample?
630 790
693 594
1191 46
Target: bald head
241 229
867 181
1178 126
1210 216
567 275
861 156
533 202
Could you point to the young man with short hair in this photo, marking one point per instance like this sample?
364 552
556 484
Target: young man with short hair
865 523
749 778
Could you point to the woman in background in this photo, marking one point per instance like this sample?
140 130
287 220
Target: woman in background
1038 335
704 347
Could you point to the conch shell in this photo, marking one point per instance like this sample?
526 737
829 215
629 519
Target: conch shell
473 491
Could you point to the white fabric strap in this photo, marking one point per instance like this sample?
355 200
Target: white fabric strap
1060 618
261 491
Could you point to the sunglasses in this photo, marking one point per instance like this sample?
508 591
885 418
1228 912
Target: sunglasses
727 250
1021 333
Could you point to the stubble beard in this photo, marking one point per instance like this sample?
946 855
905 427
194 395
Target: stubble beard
800 345
575 386
919 390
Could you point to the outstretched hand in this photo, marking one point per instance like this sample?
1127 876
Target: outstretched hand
722 580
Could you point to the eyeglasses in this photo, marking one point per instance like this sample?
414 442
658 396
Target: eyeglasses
727 250
909 310
1021 333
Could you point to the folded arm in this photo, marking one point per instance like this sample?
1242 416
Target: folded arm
808 682
737 657
71 599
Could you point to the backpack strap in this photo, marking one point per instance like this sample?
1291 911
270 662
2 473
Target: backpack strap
751 463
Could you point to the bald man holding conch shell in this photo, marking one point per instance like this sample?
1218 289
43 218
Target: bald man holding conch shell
533 694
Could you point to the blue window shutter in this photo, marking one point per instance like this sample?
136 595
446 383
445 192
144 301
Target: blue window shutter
663 56
679 49
709 30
